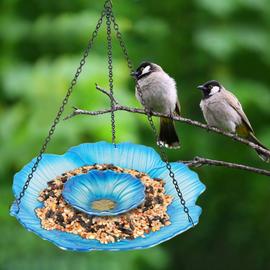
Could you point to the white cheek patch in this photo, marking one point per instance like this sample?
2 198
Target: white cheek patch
214 90
146 70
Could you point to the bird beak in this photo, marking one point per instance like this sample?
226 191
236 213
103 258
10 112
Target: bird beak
134 74
201 87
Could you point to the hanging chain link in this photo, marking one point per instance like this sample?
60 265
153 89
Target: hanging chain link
108 7
61 110
151 122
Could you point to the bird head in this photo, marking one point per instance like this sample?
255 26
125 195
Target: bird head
210 88
145 69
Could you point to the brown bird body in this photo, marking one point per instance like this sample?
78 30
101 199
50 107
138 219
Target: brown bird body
222 109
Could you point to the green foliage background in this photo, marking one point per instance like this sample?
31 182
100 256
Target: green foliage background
198 40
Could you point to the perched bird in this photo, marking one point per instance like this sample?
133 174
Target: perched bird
222 109
159 94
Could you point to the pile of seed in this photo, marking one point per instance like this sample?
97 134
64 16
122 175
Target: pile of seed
149 217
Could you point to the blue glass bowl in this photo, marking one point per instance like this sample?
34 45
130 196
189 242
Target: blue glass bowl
104 193
125 155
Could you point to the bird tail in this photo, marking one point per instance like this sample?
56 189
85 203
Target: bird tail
262 155
167 133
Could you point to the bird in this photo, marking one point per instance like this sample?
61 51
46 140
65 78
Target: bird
157 91
221 109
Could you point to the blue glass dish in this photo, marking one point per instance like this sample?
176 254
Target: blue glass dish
125 155
104 193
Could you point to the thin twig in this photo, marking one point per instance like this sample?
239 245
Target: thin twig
107 93
200 161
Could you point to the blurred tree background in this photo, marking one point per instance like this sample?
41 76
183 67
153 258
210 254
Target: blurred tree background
198 40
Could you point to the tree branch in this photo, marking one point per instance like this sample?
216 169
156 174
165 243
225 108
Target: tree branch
200 161
197 161
175 118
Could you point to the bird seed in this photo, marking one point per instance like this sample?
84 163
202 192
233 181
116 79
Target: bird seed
150 216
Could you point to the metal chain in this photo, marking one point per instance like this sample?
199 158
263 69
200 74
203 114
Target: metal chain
150 120
121 41
164 156
108 7
109 18
61 110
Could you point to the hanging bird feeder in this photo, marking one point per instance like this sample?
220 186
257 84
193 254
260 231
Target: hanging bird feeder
105 196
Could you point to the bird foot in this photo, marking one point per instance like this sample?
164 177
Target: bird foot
208 128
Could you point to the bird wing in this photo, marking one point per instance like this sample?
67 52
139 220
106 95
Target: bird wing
177 108
234 103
